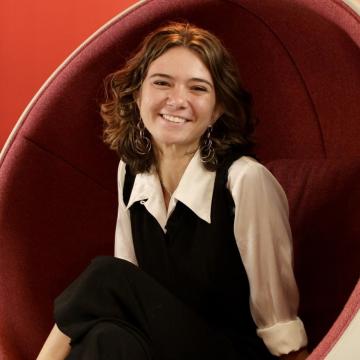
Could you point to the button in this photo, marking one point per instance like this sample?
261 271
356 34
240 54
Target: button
142 202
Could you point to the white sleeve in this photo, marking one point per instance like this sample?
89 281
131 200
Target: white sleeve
124 247
263 236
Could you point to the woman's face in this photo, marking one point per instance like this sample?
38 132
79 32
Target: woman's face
177 100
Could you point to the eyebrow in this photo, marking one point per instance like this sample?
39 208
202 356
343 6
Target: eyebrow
192 79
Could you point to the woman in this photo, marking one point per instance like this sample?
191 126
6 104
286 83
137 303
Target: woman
203 244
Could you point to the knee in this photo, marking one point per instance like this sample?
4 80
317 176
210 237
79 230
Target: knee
113 341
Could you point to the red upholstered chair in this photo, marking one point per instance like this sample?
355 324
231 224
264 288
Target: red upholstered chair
58 196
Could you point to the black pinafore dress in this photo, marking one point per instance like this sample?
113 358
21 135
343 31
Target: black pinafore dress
188 299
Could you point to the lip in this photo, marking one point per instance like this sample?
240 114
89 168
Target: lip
174 122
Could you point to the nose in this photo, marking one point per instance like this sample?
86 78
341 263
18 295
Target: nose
176 98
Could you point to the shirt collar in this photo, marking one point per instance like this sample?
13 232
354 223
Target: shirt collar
195 190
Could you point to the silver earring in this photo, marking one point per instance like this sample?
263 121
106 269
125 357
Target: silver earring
142 142
207 150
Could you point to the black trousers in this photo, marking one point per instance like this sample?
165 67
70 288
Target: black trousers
113 310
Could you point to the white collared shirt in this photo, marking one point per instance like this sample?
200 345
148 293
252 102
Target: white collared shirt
262 234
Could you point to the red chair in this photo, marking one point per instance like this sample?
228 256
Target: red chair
58 196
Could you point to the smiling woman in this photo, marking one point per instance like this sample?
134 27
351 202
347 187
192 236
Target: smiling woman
178 105
203 252
205 70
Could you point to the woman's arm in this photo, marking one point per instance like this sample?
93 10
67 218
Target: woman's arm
263 236
56 347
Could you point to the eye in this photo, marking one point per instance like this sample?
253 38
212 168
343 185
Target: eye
199 88
161 83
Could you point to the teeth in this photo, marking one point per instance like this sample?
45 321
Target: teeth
174 119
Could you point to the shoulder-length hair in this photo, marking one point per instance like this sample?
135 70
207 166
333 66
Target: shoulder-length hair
231 133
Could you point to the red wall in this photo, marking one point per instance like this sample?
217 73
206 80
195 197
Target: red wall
35 37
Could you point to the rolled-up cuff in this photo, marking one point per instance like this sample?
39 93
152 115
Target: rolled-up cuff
285 337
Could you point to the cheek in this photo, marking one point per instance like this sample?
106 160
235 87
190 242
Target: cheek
208 113
144 109
207 104
149 105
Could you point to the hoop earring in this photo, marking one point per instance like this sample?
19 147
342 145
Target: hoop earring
142 142
207 150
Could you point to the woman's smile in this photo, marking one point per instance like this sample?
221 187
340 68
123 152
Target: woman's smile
177 99
174 119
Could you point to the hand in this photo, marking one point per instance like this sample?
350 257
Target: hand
301 354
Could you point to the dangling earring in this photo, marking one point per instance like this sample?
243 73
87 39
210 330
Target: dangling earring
207 150
142 142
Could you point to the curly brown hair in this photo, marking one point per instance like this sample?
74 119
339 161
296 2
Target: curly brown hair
232 132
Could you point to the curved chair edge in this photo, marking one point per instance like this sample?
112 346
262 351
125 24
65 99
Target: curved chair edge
337 330
354 7
58 70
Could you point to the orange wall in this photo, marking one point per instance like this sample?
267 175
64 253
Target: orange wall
35 37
